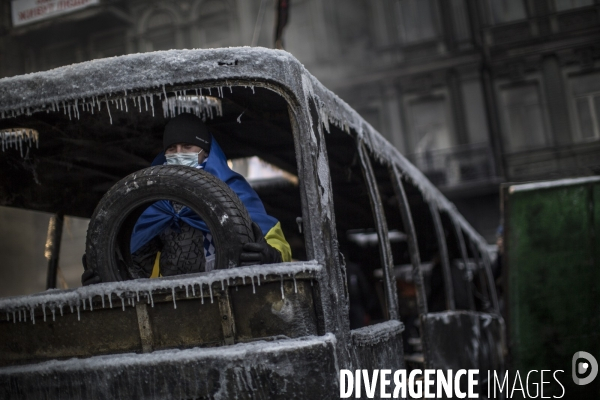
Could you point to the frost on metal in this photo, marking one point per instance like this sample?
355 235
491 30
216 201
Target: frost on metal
374 334
127 293
261 369
553 184
134 78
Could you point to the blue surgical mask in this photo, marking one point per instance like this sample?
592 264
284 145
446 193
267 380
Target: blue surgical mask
187 159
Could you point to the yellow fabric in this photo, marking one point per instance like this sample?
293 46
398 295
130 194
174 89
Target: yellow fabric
276 239
156 268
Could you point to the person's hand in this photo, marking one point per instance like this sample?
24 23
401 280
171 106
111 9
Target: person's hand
89 276
259 252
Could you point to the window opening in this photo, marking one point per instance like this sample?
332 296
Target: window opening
524 118
460 268
585 90
356 228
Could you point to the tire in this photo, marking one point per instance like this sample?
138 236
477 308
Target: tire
109 232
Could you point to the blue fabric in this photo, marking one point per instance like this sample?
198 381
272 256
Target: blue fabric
161 215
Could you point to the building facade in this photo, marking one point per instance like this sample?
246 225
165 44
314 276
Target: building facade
474 92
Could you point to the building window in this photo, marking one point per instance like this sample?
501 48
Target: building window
523 116
160 32
431 139
506 10
429 125
562 5
585 91
417 20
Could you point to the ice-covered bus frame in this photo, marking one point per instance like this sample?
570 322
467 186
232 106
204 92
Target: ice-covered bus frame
302 347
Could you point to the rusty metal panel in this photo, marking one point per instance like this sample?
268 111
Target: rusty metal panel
190 324
109 331
378 346
454 338
304 368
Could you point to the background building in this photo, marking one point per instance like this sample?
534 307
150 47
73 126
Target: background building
474 92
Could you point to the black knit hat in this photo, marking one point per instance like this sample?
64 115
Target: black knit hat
187 128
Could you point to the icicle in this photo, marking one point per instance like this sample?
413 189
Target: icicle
252 87
139 104
102 296
151 298
187 293
137 295
194 290
99 103
78 314
152 104
19 310
123 303
197 92
165 92
211 296
44 311
83 304
91 306
201 294
76 108
125 101
258 278
281 278
64 108
53 314
209 91
61 310
295 287
110 299
230 89
222 285
243 280
110 116
146 102
253 288
32 314
173 288
69 110
14 319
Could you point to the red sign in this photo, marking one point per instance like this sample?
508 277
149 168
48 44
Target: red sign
27 11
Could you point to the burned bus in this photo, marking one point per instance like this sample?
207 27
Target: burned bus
385 272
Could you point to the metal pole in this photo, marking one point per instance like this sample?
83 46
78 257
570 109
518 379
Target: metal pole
385 249
55 227
465 257
443 250
413 246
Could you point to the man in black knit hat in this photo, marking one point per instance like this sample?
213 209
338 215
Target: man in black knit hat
185 249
